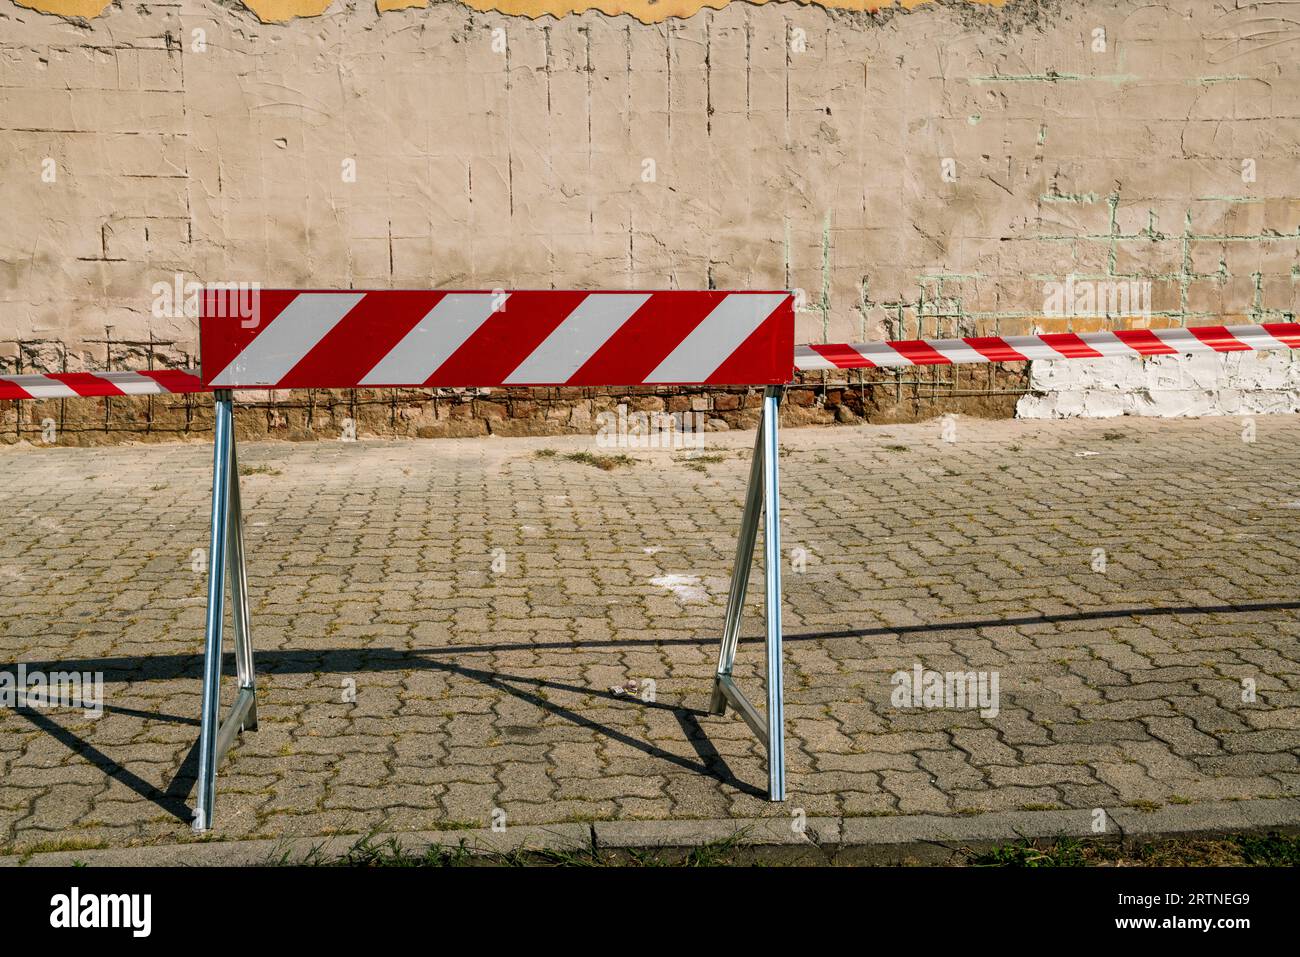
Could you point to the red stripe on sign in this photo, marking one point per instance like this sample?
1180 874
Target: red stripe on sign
919 352
646 339
843 356
1144 341
1069 345
361 338
224 335
994 348
506 338
86 383
1219 338
175 380
9 390
766 357
1288 332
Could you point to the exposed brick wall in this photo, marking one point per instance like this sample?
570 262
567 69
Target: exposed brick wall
309 415
792 148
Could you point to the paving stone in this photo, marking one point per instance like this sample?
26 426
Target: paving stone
371 570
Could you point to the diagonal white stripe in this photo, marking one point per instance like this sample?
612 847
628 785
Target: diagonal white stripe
713 341
577 338
290 336
1032 347
808 359
881 354
1182 340
132 383
39 387
956 350
441 332
1257 337
1107 344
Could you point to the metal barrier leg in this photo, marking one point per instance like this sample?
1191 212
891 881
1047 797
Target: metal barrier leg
740 574
772 571
764 493
222 446
225 565
238 578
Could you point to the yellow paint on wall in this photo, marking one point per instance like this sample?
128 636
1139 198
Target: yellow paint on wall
278 11
67 8
647 11
656 11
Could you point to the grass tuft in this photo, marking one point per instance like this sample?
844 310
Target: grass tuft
1252 850
369 851
606 463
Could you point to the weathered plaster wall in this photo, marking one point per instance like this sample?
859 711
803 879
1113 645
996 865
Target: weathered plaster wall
913 173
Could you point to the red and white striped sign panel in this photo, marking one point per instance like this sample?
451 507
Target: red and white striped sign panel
1065 345
319 339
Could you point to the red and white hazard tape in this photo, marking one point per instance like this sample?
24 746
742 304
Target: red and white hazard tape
68 385
1065 345
553 364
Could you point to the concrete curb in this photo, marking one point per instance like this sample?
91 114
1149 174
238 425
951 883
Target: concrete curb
217 853
912 839
767 838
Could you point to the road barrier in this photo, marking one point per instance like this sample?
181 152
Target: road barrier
359 339
323 339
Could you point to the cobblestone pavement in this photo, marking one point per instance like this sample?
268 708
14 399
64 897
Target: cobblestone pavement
1128 582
